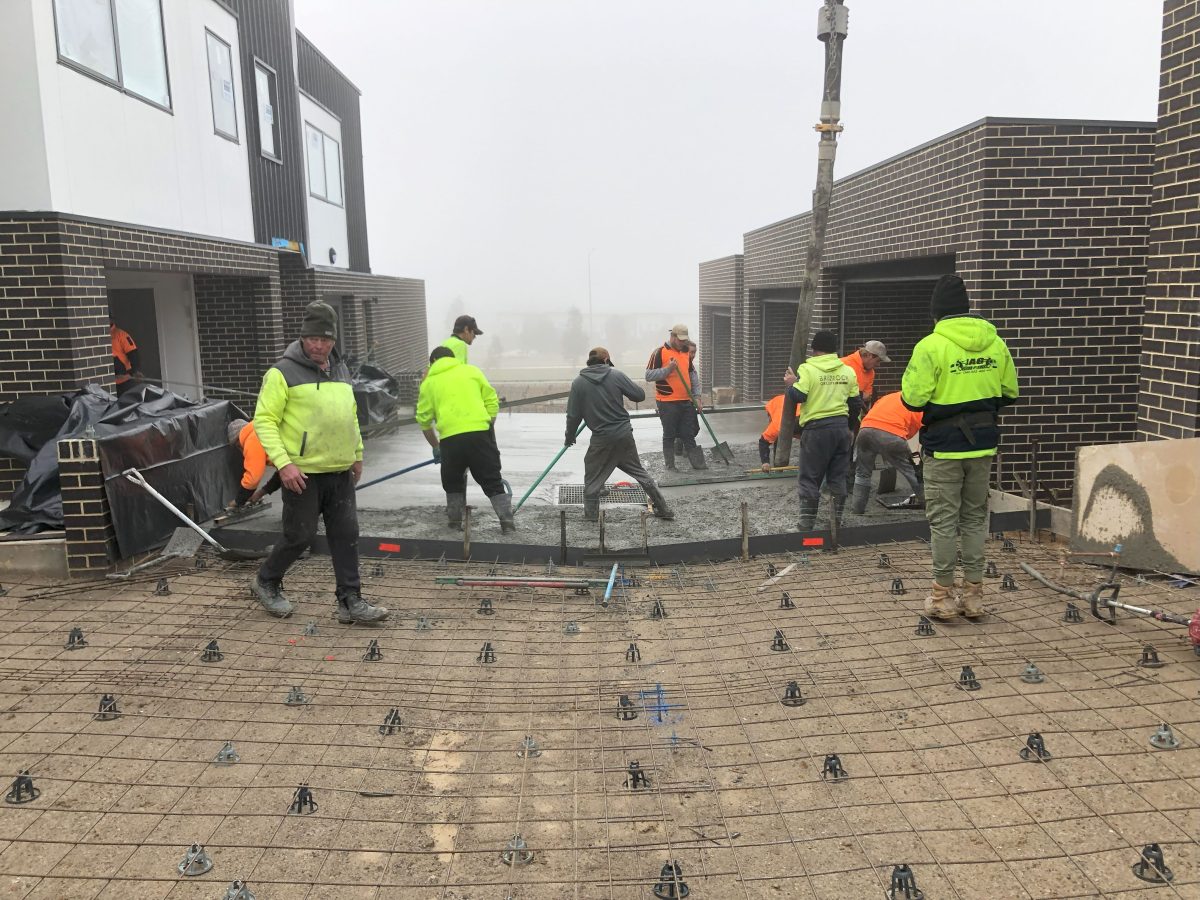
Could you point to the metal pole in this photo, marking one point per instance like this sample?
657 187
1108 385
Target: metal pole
745 531
831 29
1033 488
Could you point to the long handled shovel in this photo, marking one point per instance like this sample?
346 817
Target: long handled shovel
406 469
719 447
224 552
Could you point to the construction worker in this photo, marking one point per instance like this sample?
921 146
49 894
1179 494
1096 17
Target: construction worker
864 361
459 399
463 336
959 378
885 431
597 399
126 357
671 371
254 464
307 421
828 389
766 440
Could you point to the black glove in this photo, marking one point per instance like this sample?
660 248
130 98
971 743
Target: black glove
243 494
569 440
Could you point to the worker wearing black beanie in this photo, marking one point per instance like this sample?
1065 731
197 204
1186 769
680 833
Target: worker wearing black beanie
958 378
949 298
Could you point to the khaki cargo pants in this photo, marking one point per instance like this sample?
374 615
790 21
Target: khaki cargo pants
956 505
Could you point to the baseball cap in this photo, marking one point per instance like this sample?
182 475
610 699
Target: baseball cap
600 355
680 331
877 348
463 322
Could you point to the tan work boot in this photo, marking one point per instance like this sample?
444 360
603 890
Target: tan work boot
970 602
940 603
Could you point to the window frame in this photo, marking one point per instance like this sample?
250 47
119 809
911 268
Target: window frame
270 70
208 32
341 171
118 84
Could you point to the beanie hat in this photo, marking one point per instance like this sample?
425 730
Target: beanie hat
949 298
234 430
825 342
319 321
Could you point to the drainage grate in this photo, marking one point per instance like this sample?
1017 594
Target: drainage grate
572 495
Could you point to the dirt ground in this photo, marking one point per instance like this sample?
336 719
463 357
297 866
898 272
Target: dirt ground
735 794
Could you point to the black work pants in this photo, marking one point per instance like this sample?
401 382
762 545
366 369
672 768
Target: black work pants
475 452
824 456
604 455
679 420
328 496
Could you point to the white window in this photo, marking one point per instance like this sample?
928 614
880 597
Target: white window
324 165
220 87
268 115
119 41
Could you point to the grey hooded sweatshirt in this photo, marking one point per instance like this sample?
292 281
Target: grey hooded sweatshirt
597 399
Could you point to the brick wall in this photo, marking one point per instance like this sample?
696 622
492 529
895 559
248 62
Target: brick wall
895 312
720 291
1169 396
87 520
1047 223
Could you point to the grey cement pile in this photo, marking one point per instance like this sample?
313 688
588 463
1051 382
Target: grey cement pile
708 511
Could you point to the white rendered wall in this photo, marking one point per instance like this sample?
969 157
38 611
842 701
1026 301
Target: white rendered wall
24 177
112 156
326 221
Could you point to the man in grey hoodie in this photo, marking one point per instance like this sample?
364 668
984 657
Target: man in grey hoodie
598 400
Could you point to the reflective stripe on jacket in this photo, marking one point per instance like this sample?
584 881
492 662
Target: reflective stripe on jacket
307 416
959 377
457 397
670 387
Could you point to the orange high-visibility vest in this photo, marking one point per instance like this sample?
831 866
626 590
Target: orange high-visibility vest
122 343
254 457
671 390
891 415
774 408
866 380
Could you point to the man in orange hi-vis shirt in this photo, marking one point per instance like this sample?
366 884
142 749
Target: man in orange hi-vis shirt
885 431
766 440
254 463
864 361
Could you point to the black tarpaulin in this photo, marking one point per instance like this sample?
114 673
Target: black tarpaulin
376 393
179 445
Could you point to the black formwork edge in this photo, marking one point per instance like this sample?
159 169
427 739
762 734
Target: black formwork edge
384 547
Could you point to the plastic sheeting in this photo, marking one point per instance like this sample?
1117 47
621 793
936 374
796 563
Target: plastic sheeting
376 393
26 424
179 445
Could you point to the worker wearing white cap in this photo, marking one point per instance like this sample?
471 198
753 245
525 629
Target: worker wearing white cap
863 361
670 368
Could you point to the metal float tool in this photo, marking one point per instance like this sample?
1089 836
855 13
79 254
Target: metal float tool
224 552
1104 605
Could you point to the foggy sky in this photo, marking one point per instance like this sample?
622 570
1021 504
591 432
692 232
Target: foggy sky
504 139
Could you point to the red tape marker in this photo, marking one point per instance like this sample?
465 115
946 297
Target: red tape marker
813 542
389 548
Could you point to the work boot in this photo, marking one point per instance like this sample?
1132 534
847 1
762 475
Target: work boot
270 597
970 601
659 502
696 458
940 604
455 503
502 504
351 608
862 493
591 510
808 513
669 455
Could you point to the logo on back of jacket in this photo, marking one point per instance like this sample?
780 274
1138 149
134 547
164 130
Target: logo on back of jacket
835 378
972 364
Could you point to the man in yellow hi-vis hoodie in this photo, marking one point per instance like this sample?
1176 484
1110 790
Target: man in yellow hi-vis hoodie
959 378
307 421
459 399
828 390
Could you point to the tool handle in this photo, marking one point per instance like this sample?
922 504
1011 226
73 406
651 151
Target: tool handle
136 477
545 472
367 484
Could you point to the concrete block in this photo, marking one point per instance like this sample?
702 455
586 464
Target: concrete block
47 557
1144 496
